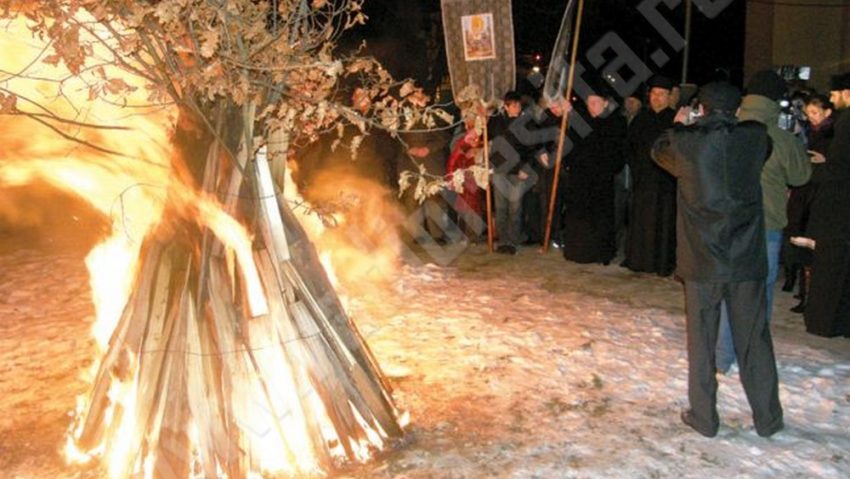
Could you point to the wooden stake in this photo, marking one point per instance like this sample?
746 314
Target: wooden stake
488 189
565 124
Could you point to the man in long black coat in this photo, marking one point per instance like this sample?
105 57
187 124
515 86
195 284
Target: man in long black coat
651 236
828 310
721 253
588 222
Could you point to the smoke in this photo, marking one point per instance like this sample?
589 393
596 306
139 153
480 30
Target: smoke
362 222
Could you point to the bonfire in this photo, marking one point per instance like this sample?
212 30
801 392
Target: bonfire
225 351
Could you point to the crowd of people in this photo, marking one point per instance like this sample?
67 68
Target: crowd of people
719 191
607 179
615 201
709 188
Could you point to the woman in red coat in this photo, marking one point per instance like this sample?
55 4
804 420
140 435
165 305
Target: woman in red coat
468 203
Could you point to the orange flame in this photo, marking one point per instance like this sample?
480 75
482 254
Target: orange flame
131 190
361 249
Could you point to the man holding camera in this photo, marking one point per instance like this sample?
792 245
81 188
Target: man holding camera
721 254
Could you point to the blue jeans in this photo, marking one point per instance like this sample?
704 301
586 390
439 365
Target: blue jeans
508 191
725 348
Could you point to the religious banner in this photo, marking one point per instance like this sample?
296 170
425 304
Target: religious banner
559 64
480 45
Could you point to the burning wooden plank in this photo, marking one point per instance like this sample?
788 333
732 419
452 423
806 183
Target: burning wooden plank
189 362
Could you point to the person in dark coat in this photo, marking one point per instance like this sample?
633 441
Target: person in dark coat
545 140
721 253
797 260
651 237
828 309
534 205
512 176
588 221
788 164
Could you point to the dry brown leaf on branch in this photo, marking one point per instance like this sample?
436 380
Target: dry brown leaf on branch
404 182
361 64
94 92
445 116
458 178
419 99
8 104
390 120
334 69
359 19
361 99
419 193
482 176
406 89
24 7
209 43
355 145
117 86
168 11
411 117
317 4
434 188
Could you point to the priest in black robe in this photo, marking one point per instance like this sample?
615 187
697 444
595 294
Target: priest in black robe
651 237
595 158
828 310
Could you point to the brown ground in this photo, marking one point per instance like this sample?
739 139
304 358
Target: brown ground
519 382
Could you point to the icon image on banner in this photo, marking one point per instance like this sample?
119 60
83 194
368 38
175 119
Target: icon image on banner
478 37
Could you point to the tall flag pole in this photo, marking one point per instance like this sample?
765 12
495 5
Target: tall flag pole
552 90
488 191
480 52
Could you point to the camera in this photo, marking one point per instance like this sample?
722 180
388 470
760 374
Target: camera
693 115
791 114
791 73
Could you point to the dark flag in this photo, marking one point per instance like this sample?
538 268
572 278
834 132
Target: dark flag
559 65
480 45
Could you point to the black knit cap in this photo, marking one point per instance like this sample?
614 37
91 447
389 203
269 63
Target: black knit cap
767 83
639 93
659 81
599 87
840 82
720 96
512 96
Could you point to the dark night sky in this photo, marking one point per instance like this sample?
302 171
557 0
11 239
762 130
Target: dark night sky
397 29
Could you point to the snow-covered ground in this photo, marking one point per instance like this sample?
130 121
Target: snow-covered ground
515 367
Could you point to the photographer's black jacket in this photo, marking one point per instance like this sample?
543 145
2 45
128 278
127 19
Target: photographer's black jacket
720 217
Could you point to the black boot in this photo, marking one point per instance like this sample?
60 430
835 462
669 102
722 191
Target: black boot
790 278
805 281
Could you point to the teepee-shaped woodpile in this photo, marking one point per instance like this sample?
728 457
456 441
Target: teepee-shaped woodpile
200 380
